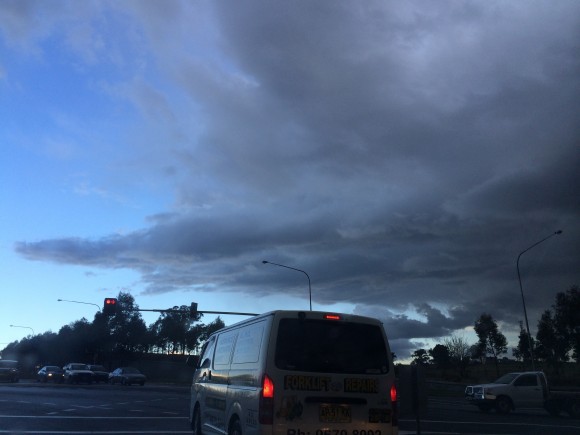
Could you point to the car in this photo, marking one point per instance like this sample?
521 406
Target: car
9 370
127 376
100 373
50 373
75 373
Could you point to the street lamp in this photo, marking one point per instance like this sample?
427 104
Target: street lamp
78 302
298 270
522 292
27 327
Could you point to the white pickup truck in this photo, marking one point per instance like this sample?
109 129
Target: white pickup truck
522 390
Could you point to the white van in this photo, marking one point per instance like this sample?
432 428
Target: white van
296 373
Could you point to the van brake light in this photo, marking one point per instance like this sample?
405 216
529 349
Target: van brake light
394 406
332 317
266 407
267 387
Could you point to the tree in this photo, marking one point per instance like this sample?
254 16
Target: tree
553 344
491 340
567 318
172 330
458 352
440 356
128 331
522 351
214 326
420 357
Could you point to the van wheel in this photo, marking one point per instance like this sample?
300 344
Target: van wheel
503 405
235 428
196 423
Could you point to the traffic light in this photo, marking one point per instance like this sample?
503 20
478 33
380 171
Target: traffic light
110 307
193 310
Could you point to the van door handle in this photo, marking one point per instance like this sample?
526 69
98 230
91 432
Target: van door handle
209 374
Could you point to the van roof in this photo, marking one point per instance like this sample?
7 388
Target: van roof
306 315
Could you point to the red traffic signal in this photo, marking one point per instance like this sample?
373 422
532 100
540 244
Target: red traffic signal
110 306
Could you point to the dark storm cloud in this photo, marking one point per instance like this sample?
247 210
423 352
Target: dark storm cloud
402 153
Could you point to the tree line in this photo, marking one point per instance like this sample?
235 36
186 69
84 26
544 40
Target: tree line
557 340
126 337
121 337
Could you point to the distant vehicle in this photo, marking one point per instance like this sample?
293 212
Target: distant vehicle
296 372
522 390
100 373
50 373
127 376
75 373
9 370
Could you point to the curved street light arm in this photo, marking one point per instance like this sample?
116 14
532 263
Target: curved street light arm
79 302
298 270
27 327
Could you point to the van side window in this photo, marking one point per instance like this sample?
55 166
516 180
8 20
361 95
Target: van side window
207 353
224 346
248 344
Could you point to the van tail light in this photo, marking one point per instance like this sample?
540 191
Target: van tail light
266 410
394 406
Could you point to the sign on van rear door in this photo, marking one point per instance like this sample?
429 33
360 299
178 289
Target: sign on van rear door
335 375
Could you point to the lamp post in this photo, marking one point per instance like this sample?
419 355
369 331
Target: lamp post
78 302
522 292
298 270
27 327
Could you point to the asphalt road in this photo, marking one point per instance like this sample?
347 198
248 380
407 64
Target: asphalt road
31 408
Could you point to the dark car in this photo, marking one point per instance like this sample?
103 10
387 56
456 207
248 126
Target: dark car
9 370
127 376
75 373
50 373
100 373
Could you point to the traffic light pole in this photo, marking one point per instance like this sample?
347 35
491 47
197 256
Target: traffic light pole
202 312
110 308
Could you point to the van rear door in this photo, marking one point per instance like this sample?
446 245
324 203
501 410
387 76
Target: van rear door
332 374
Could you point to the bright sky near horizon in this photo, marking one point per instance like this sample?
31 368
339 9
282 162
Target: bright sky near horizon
401 153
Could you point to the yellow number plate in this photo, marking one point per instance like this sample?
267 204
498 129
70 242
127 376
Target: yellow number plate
334 413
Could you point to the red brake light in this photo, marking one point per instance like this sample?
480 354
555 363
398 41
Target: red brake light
394 406
267 388
332 317
266 407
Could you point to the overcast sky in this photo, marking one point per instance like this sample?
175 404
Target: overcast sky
401 153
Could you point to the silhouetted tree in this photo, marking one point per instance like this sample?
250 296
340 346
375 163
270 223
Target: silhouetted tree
491 340
553 344
567 318
421 357
458 352
127 328
440 356
522 351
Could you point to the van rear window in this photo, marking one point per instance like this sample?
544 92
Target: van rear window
331 347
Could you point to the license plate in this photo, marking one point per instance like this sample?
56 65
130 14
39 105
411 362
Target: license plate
334 413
